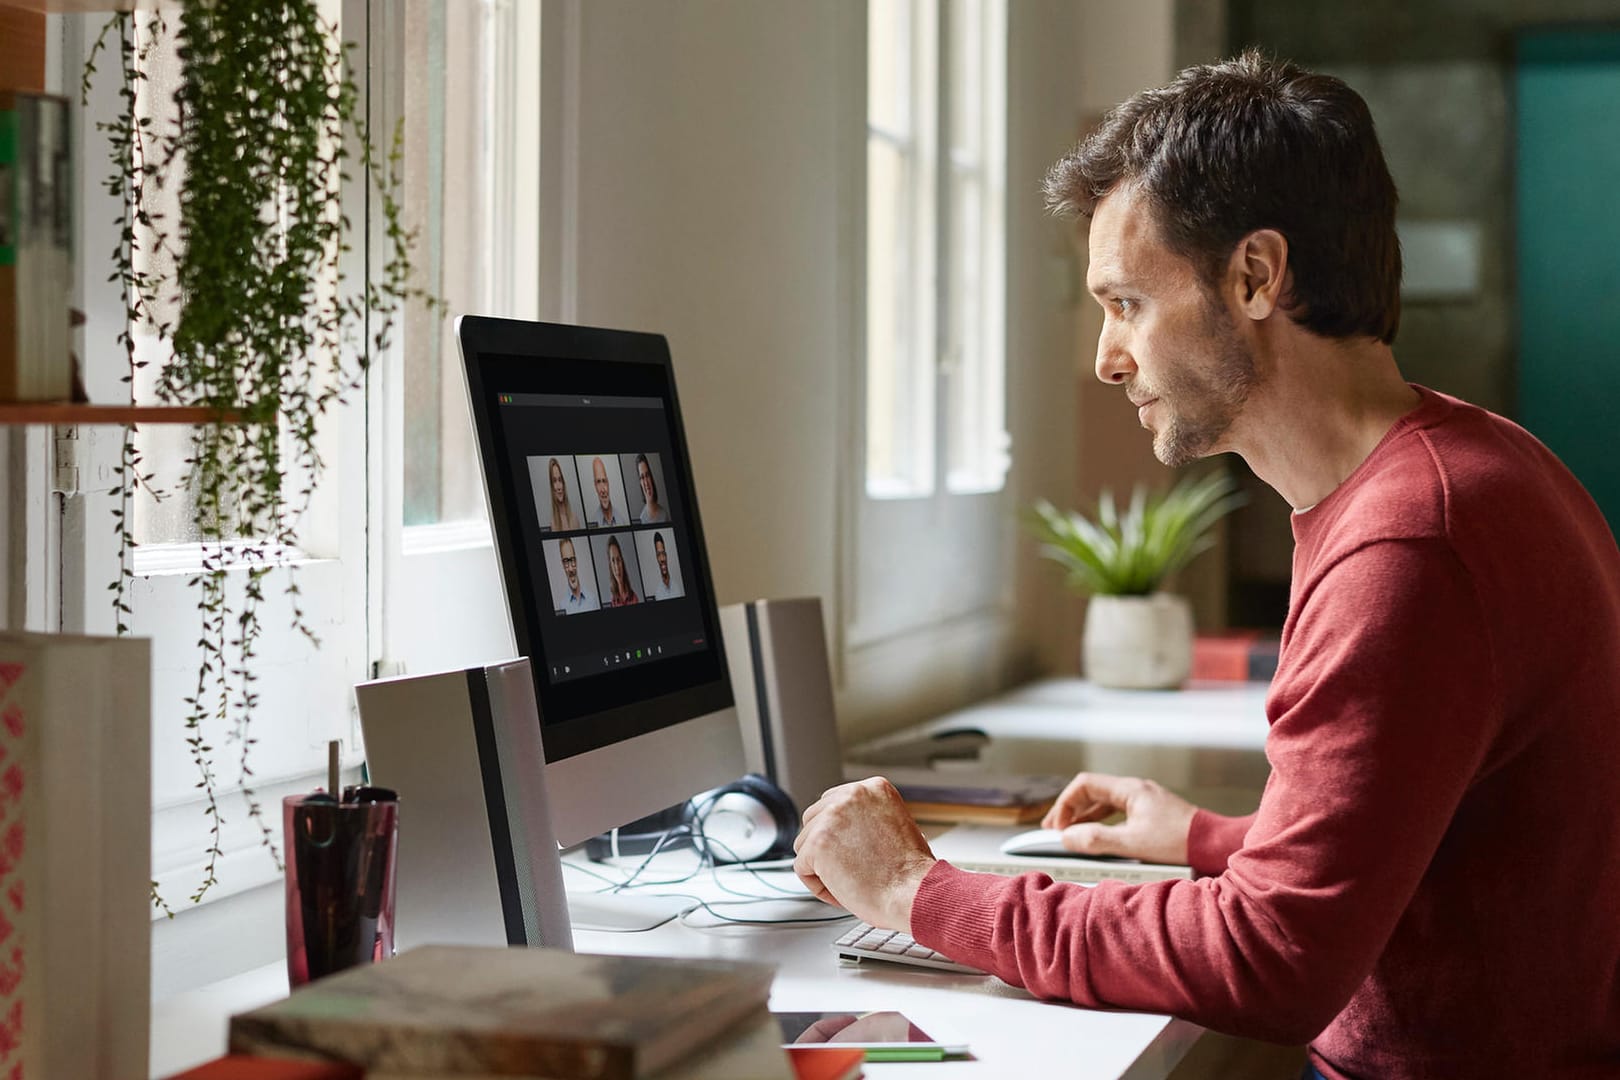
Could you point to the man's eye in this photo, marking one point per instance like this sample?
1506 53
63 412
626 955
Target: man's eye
1124 305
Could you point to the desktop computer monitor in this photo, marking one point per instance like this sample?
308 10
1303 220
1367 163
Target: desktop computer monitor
607 578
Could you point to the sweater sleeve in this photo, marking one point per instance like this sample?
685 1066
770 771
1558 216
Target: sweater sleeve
1212 838
1380 722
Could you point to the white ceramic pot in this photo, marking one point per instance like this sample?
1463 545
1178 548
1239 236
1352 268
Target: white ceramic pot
1138 642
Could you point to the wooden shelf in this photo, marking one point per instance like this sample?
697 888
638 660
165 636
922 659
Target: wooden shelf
56 412
87 7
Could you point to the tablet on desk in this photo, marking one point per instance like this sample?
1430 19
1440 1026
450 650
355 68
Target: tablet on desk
885 1036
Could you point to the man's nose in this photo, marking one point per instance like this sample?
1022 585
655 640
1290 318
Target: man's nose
1114 363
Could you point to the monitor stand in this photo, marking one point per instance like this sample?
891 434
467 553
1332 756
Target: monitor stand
624 911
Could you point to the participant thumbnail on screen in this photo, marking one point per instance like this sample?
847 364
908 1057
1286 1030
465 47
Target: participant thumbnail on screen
618 573
556 492
604 505
569 569
646 472
660 564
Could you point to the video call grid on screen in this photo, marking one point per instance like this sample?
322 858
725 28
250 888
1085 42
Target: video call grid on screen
619 495
544 389
581 569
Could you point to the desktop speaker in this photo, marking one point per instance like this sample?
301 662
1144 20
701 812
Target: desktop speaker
782 682
478 860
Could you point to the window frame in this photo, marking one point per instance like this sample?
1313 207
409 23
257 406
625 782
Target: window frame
923 567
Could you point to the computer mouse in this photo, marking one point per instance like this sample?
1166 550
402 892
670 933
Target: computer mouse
1048 842
1036 842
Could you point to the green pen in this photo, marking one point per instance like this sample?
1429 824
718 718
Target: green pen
915 1052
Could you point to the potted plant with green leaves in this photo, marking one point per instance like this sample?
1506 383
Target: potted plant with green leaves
1136 635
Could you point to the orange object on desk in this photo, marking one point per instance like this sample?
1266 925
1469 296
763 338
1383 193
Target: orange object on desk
826 1062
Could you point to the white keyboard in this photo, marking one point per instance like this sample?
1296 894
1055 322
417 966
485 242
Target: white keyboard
865 942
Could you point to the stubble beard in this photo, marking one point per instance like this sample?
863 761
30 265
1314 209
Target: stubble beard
1211 400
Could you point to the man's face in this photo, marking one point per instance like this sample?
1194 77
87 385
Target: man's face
1167 337
599 471
644 473
663 559
570 564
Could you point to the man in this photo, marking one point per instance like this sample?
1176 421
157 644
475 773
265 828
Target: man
604 494
662 589
652 512
1430 887
577 599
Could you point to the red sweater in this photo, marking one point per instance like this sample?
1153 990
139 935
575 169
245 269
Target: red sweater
1431 886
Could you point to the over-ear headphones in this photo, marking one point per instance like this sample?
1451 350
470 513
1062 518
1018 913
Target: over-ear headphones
744 821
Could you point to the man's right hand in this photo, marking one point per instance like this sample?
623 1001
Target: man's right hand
1155 825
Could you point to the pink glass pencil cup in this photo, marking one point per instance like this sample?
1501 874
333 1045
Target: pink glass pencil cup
340 880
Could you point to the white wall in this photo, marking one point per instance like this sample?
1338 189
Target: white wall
707 211
710 202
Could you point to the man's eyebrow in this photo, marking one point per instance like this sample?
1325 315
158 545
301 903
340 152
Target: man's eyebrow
1104 286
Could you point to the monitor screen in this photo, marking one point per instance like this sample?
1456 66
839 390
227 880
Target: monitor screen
597 528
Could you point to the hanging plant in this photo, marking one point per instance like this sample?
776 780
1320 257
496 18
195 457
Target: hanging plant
257 314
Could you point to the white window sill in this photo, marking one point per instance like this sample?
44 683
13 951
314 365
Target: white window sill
189 1028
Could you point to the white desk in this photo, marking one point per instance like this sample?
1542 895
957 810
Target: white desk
1009 1032
1206 742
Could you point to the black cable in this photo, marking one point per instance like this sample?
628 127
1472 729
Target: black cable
705 847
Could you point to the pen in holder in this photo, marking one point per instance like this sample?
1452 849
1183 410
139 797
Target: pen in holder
340 880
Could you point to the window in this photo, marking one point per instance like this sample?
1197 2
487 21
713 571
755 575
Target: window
300 686
929 545
935 246
468 97
397 530
470 108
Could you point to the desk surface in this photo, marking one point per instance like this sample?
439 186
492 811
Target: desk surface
1205 715
1209 738
1206 742
1010 1032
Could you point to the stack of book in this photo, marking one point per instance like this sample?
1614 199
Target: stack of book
468 1011
36 246
75 856
961 795
1235 656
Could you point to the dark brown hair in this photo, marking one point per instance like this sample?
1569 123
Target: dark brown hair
1254 143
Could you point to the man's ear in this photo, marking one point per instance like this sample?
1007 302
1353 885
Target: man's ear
1258 273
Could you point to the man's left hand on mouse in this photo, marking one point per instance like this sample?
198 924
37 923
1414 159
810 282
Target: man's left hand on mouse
860 849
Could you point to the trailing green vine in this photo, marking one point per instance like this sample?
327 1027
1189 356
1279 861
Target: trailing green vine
269 326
